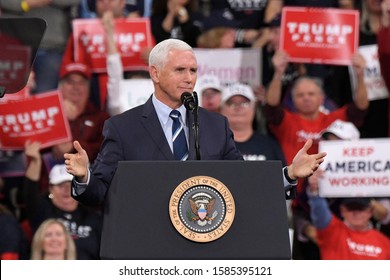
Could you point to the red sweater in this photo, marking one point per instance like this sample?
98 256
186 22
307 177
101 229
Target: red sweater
294 131
338 242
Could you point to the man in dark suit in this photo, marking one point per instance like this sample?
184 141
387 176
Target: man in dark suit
145 132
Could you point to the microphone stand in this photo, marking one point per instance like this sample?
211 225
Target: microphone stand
195 126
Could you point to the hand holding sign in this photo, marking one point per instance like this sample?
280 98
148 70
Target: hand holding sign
108 23
77 164
359 64
31 150
280 62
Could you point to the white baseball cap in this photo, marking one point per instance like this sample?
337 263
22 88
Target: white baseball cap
343 130
59 175
238 89
209 81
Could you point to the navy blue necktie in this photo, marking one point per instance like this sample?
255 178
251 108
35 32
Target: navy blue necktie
180 149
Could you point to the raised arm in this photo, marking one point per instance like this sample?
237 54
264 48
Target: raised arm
320 213
361 99
274 93
31 150
274 7
114 65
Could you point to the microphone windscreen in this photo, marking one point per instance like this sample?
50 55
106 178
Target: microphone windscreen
185 96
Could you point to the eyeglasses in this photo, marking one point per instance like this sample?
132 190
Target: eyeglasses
233 105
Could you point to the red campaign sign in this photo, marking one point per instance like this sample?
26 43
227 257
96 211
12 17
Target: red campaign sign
20 95
38 118
131 36
315 35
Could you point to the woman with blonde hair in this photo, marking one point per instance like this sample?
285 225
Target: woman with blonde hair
52 241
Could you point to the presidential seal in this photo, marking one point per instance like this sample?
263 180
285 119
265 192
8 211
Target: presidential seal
202 209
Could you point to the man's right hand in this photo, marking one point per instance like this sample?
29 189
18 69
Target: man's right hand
280 62
77 164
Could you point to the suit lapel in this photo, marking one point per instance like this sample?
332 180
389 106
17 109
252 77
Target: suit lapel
152 125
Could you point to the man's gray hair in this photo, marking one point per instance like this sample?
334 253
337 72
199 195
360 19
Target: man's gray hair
158 55
317 81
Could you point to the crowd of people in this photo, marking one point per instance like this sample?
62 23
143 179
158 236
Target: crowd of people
42 217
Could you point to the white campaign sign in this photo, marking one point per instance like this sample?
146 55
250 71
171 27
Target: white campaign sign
356 168
230 65
134 92
376 88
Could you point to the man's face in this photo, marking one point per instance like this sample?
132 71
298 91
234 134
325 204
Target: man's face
357 218
211 99
62 196
116 6
307 98
239 111
75 88
178 75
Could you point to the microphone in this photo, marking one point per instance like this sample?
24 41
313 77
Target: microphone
189 101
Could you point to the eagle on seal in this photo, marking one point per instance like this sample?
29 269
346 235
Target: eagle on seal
202 205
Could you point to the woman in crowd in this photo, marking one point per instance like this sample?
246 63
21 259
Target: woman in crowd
83 224
52 242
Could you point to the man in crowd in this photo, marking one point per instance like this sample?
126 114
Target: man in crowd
85 120
210 90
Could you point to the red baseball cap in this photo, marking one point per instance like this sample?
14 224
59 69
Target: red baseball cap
75 67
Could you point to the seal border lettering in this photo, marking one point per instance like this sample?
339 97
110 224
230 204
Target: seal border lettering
218 186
